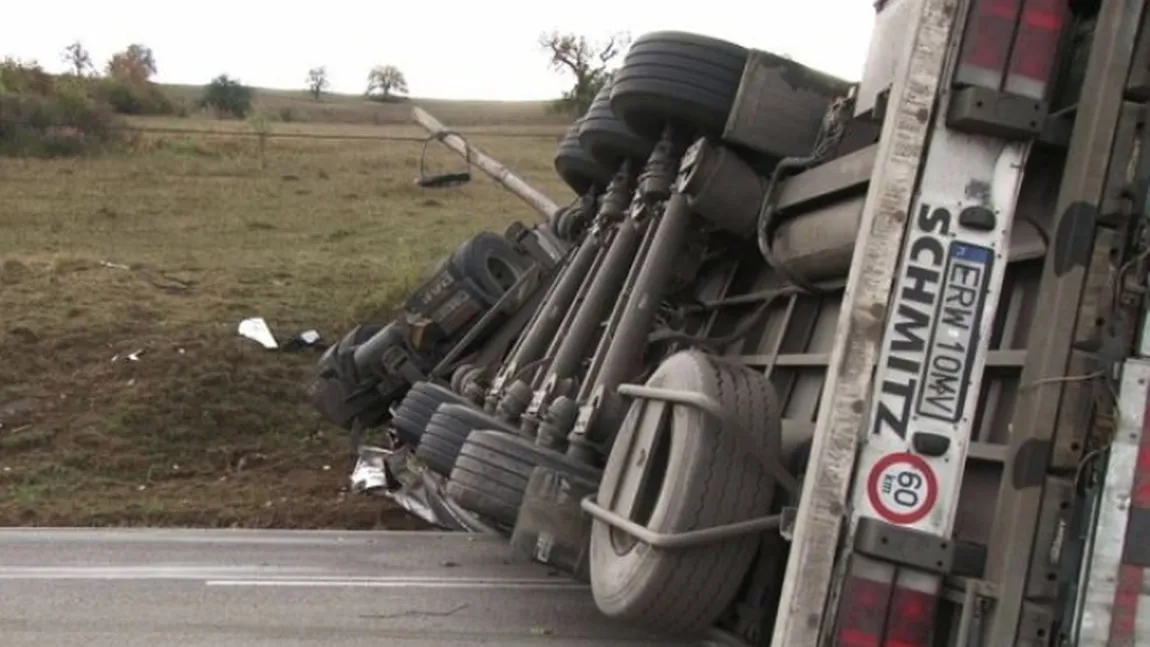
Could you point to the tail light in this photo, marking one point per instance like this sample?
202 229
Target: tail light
883 606
1012 45
1036 47
986 45
863 605
911 619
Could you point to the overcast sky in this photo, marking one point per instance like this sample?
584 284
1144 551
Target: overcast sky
447 49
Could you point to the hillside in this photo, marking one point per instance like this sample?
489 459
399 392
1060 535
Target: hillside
126 396
297 105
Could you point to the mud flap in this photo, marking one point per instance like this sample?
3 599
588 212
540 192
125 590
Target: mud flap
552 528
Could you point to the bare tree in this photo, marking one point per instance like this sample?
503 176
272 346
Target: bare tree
587 61
386 80
76 56
317 82
136 63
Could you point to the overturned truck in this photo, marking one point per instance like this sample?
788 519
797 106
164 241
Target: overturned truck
807 361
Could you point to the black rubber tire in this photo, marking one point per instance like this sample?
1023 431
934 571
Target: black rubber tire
678 78
491 263
457 377
712 476
607 139
415 411
491 473
448 430
576 166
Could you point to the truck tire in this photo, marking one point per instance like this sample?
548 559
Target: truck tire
446 432
415 411
607 139
677 78
576 166
491 473
491 263
710 477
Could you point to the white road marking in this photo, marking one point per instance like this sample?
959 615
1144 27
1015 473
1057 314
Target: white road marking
405 583
143 572
238 576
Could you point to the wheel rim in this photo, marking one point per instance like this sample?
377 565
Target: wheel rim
641 487
502 272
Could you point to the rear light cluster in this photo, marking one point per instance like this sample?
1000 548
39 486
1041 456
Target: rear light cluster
1012 45
878 609
863 611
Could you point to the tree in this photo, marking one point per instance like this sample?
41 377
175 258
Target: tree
227 96
387 80
136 63
76 56
317 81
589 62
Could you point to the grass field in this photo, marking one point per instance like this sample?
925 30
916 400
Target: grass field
161 252
354 109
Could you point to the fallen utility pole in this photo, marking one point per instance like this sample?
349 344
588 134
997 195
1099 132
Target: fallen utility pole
500 173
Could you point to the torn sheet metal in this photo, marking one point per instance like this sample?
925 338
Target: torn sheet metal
398 475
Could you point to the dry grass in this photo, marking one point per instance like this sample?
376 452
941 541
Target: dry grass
206 428
354 109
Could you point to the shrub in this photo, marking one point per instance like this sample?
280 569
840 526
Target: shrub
17 77
66 122
44 116
227 96
130 97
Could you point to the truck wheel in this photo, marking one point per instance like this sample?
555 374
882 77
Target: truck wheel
412 415
491 473
699 474
492 263
683 79
607 139
576 166
446 432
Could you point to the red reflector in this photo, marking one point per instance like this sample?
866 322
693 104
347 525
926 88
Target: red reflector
986 43
862 613
911 619
1036 47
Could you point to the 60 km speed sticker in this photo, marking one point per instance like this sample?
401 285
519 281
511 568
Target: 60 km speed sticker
902 488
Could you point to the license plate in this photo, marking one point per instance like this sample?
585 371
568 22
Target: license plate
953 342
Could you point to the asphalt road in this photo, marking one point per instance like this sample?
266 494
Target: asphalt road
128 588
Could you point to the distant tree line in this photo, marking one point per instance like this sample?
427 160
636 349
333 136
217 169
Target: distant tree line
42 113
384 83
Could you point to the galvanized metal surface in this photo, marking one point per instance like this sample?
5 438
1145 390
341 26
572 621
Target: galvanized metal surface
1105 576
856 339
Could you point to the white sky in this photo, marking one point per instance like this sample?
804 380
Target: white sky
446 48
